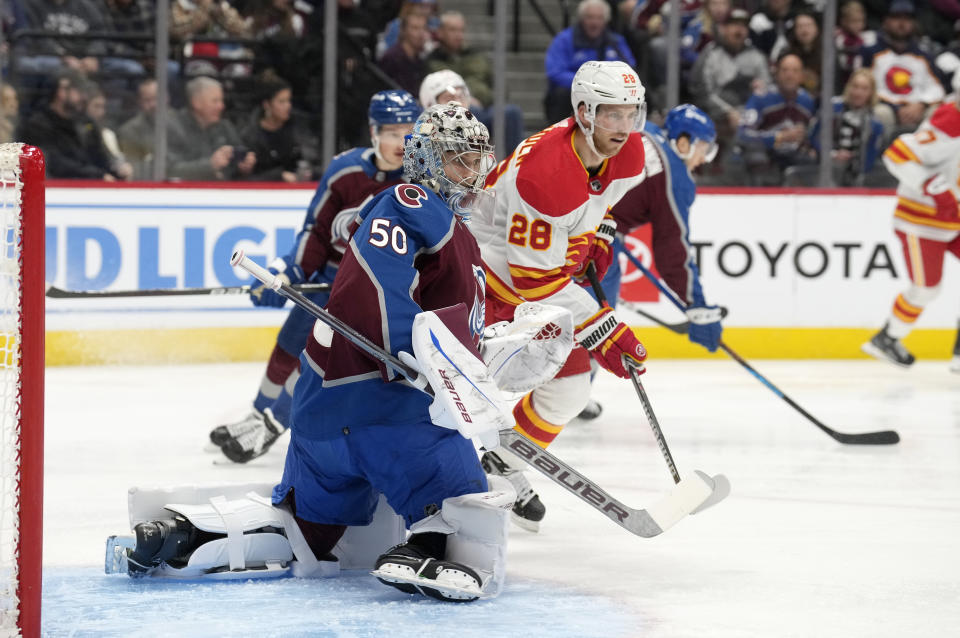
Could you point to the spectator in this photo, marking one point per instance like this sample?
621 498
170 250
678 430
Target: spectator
129 17
473 68
773 132
725 75
194 19
857 134
391 32
589 39
851 36
201 145
135 136
9 110
273 137
804 38
700 31
96 111
948 62
907 83
45 56
404 61
69 140
768 27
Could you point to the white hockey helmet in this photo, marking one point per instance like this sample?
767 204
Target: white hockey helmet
440 82
450 153
598 82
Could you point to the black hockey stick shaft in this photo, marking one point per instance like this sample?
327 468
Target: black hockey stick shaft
884 437
637 385
59 293
636 521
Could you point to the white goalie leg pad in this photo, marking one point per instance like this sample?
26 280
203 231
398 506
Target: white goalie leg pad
360 545
529 350
477 526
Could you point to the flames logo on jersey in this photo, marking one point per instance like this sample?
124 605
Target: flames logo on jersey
478 311
899 80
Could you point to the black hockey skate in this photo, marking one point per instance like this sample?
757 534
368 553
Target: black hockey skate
886 348
413 570
248 439
168 541
528 510
591 411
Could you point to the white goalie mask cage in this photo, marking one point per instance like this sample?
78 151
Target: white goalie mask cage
450 153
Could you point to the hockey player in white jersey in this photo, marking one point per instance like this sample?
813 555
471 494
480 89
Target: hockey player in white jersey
552 193
927 221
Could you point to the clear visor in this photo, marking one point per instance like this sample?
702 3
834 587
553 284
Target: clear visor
711 149
620 119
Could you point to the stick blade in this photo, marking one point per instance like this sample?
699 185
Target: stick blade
721 490
686 497
884 437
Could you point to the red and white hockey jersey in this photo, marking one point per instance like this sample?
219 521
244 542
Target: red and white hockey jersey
547 211
913 158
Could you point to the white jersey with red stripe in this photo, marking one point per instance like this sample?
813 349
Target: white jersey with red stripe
913 158
548 208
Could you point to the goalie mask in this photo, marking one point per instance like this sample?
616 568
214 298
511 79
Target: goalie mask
613 83
450 153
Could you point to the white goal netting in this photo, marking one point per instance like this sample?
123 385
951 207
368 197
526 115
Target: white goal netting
11 187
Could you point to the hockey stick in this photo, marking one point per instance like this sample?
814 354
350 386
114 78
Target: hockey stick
682 500
720 482
637 385
59 293
884 437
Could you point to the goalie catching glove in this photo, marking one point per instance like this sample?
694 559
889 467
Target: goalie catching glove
289 273
466 398
610 341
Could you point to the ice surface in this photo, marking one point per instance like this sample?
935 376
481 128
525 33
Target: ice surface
817 539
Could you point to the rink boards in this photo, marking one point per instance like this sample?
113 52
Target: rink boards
807 275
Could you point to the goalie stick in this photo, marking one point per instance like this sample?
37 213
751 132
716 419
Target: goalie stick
682 500
59 293
721 483
883 437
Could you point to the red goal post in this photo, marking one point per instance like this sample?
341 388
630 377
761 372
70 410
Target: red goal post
21 387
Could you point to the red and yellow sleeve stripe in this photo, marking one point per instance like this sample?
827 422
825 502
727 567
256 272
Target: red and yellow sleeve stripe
898 152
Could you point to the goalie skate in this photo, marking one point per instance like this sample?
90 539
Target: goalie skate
411 572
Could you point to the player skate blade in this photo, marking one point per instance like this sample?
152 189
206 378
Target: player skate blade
115 558
524 523
721 490
877 353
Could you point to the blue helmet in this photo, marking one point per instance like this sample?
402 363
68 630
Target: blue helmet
689 120
393 107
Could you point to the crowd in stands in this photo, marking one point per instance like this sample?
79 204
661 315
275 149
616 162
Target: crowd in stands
246 79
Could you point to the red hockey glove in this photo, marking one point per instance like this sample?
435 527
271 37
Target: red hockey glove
609 341
601 251
938 188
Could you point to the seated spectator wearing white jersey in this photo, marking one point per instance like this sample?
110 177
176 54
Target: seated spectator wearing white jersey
908 82
926 220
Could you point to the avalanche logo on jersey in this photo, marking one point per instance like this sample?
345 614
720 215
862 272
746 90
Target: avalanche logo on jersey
478 311
898 80
410 195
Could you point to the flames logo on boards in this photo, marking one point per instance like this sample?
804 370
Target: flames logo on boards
898 80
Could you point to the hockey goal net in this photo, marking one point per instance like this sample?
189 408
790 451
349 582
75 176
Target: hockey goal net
21 387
